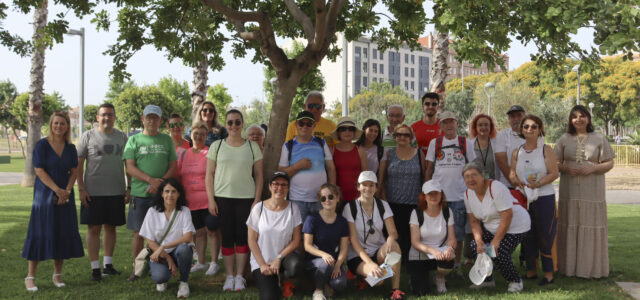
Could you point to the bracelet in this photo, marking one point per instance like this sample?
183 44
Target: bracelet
279 256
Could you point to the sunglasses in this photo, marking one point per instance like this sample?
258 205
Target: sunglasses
208 110
175 125
371 230
533 126
343 129
307 124
407 135
324 198
314 105
230 123
434 104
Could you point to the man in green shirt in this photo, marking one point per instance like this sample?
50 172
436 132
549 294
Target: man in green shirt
150 158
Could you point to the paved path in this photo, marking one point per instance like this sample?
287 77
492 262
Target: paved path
632 288
10 178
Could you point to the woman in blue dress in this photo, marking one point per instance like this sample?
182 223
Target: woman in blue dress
53 226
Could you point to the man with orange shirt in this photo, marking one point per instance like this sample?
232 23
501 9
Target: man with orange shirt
427 128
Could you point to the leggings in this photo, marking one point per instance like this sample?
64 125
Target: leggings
182 256
419 271
269 285
401 216
503 261
322 274
541 239
233 215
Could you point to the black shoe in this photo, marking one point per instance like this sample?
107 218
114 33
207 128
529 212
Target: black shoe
530 278
109 270
96 275
132 277
545 281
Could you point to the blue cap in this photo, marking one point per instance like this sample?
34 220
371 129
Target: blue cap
152 109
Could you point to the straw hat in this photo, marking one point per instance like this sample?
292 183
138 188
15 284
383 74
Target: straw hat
346 122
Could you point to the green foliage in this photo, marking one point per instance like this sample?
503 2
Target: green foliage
221 98
131 102
50 103
462 104
179 95
256 113
90 112
8 94
115 88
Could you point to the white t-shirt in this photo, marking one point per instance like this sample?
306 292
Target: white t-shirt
305 184
507 141
155 224
375 240
432 232
274 228
488 210
448 166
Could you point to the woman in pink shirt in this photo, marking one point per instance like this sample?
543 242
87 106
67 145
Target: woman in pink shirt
192 167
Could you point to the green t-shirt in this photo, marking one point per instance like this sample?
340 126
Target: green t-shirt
234 169
152 155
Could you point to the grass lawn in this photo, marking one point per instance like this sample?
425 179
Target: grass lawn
15 207
16 165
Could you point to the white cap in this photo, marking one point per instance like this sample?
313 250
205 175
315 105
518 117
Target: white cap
367 176
430 186
152 109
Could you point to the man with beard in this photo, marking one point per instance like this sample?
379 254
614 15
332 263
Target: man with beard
427 128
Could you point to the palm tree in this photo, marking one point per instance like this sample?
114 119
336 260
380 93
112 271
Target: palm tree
439 69
199 95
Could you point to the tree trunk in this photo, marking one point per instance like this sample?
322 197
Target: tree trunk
439 67
34 117
199 94
6 131
20 142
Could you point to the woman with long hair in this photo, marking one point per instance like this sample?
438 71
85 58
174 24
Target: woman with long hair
208 114
371 143
347 157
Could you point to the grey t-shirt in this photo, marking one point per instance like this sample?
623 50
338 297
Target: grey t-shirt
104 170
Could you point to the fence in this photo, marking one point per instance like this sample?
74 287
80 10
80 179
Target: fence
626 155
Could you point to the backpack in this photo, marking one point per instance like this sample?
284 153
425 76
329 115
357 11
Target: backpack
445 214
516 198
253 156
381 210
290 146
462 145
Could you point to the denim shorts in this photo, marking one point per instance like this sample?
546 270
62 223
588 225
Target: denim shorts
461 224
138 207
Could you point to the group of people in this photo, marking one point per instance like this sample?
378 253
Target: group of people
419 196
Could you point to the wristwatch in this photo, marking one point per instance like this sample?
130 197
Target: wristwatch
279 256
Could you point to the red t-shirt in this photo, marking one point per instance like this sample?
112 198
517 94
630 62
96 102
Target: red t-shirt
425 133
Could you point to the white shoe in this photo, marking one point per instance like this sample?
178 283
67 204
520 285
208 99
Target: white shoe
484 284
239 283
318 295
213 269
228 283
441 286
34 288
57 284
183 290
515 287
161 287
198 267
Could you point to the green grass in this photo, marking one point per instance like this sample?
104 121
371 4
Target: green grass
15 207
16 165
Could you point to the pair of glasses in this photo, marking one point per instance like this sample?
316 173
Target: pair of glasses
283 185
533 126
208 110
407 135
305 124
314 105
174 125
238 122
343 129
434 104
324 198
107 115
371 230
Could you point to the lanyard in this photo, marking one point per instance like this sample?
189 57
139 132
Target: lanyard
483 155
365 232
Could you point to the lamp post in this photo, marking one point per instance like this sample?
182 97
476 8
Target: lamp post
591 105
489 90
81 117
576 69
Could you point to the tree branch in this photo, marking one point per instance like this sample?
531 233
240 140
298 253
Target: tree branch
242 16
320 9
335 8
301 18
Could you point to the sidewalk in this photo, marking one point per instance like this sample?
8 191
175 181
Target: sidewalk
10 178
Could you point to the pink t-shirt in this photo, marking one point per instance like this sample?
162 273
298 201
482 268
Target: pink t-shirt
192 168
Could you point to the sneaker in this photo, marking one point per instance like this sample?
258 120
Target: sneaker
441 286
109 270
515 287
396 294
183 290
239 283
486 284
318 295
161 287
96 275
287 289
213 269
198 267
228 283
132 277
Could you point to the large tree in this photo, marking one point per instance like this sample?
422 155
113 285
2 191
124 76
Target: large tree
8 94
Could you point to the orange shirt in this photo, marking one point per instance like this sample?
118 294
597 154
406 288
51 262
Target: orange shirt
425 133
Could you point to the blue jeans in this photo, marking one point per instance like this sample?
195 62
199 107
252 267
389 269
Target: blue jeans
182 256
307 208
322 274
461 224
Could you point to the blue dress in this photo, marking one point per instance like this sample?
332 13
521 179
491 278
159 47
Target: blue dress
53 229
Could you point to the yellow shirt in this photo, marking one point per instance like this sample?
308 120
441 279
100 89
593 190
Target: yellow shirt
323 130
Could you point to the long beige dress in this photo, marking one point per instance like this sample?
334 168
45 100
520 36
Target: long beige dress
582 223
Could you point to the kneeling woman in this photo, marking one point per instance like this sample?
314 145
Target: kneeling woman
433 239
368 218
168 231
326 233
274 232
496 221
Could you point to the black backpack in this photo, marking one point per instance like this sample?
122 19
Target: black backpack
381 210
290 146
445 214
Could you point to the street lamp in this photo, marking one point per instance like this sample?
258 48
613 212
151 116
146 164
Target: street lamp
81 34
576 69
591 105
489 90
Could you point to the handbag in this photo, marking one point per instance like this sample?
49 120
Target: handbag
141 263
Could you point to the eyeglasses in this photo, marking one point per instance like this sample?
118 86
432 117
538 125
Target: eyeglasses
533 126
230 123
324 198
343 129
283 185
208 110
407 135
371 230
307 124
314 105
107 115
434 104
176 124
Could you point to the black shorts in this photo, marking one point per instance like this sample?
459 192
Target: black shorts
104 210
201 218
353 263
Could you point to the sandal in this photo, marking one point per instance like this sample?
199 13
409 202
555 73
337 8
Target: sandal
57 284
34 288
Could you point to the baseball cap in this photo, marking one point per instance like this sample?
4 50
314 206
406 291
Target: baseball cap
430 186
279 174
152 109
515 108
367 176
305 115
447 115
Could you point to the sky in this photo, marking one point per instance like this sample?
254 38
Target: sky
62 63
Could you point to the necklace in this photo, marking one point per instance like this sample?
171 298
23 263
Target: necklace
580 149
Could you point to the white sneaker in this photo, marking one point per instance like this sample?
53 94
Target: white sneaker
240 283
484 284
441 286
213 269
183 290
228 283
198 267
318 295
161 287
515 287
